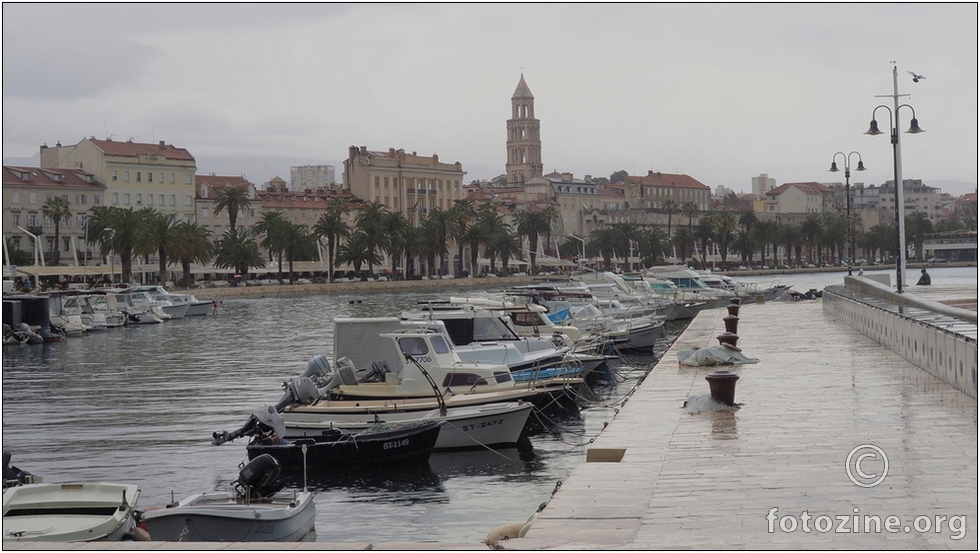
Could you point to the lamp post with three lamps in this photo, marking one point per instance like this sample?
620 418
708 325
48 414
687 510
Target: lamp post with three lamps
899 185
847 199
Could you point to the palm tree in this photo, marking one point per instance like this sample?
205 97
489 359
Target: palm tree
234 199
551 214
745 244
370 223
238 250
440 222
683 242
792 238
473 238
505 243
297 245
532 224
331 225
159 235
811 230
193 246
603 242
917 225
747 220
461 214
625 233
654 245
121 235
57 208
703 234
670 206
17 255
835 234
767 232
690 210
273 227
725 225
395 226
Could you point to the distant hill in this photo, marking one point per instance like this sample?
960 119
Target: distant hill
32 161
954 187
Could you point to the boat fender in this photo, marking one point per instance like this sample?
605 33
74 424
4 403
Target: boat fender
506 532
140 533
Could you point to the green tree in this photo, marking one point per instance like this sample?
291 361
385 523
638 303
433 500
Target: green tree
618 176
792 239
506 244
238 250
767 233
917 225
745 244
703 234
331 225
17 256
273 228
683 242
234 200
654 246
370 223
532 224
811 230
670 207
462 213
159 235
57 208
625 234
193 246
690 210
297 245
399 240
603 243
120 234
725 225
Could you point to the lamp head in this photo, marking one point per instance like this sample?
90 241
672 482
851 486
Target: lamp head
860 166
833 166
873 130
914 128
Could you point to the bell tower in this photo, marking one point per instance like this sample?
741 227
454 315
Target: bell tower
523 138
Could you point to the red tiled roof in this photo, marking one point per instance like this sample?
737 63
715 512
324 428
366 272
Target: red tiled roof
217 182
36 176
667 180
807 187
133 149
302 200
967 198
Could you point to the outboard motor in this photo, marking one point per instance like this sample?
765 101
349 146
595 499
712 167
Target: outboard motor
318 366
265 424
299 390
257 479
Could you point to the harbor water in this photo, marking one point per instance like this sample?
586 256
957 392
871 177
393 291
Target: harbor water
138 405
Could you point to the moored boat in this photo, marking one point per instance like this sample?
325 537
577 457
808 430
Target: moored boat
257 510
69 512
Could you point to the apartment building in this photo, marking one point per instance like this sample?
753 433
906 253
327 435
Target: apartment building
402 181
312 177
137 175
800 197
25 191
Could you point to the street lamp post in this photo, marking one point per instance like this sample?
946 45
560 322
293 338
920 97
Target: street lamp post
899 185
847 196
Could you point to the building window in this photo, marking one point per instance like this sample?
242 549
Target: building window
188 178
139 199
96 200
66 244
115 198
32 219
173 200
16 219
149 199
173 178
115 175
126 198
149 176
204 213
32 198
15 198
80 199
162 201
188 200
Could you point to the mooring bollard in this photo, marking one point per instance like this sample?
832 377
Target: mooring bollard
729 338
731 324
732 308
722 386
736 300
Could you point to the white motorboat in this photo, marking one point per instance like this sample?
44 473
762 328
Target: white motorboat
486 425
116 300
69 512
689 282
255 511
480 334
195 307
68 320
747 291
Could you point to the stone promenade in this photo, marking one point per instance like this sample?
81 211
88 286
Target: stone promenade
773 474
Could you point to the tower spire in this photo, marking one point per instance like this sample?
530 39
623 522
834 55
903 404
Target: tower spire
523 137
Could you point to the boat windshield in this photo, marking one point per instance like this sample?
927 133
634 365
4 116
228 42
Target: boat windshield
439 344
413 345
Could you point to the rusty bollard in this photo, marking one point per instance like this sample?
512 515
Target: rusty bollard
722 385
731 324
736 300
729 338
733 308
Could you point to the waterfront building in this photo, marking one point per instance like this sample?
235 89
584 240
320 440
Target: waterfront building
402 181
653 189
762 184
312 177
800 197
572 196
918 197
137 175
25 191
523 138
208 187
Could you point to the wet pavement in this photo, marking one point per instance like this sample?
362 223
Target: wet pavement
824 405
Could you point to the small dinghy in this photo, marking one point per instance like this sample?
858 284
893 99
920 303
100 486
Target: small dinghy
372 446
257 510
69 512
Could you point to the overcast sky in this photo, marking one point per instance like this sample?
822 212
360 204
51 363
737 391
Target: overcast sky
721 92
